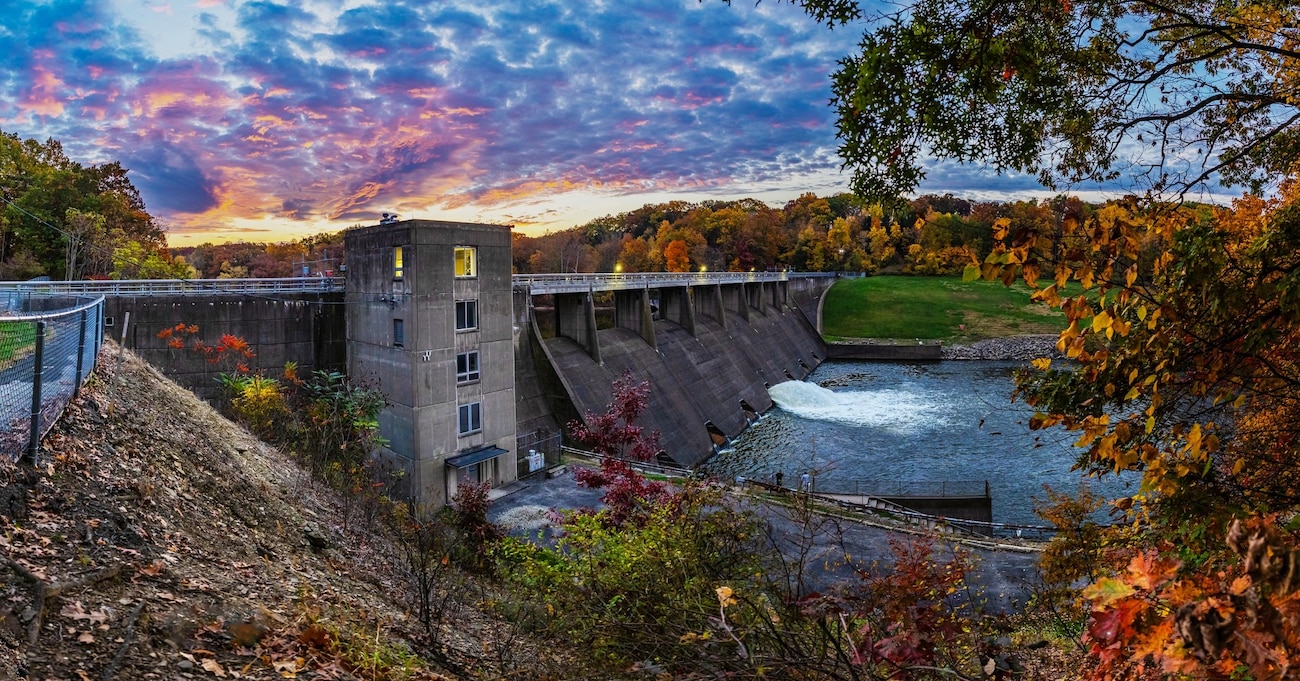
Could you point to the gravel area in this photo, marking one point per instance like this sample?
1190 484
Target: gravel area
1012 348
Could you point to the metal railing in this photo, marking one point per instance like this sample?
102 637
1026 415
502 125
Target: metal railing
540 284
906 488
158 287
643 466
48 346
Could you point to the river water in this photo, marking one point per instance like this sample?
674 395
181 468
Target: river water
886 427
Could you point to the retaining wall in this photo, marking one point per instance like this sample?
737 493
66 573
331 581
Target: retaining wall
307 328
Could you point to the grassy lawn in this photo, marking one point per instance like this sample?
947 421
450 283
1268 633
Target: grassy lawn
17 339
933 308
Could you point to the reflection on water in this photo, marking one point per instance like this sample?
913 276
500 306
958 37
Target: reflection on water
889 423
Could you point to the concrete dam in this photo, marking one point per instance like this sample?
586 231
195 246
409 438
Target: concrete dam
709 349
709 344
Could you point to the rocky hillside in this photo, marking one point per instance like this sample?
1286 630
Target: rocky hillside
158 540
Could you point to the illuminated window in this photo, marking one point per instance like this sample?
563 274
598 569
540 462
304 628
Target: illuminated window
466 315
397 262
467 367
465 265
471 418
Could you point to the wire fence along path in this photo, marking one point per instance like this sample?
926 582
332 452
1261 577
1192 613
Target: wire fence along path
48 346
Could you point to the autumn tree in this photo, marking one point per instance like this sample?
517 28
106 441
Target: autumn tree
676 257
1180 93
1185 329
1187 377
62 218
616 436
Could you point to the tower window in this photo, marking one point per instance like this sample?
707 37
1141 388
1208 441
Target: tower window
466 315
466 257
397 263
471 418
467 367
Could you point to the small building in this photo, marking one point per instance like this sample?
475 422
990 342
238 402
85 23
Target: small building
429 322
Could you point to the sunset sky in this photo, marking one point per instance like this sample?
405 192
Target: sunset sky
263 121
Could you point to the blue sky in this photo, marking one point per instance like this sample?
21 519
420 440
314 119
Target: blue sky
266 121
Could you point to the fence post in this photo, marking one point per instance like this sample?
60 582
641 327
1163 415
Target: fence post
81 354
34 441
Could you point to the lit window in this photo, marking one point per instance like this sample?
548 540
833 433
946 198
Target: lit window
467 367
466 315
471 418
397 262
399 333
465 265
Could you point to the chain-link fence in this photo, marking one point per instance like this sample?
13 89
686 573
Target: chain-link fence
48 345
538 450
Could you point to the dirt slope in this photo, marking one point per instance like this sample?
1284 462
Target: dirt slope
166 542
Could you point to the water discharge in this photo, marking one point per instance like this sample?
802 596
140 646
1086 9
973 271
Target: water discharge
901 411
859 423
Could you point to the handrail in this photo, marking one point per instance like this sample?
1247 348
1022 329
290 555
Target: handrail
149 287
86 304
581 282
537 283
671 471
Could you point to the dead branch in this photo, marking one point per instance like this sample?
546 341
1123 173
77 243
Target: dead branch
42 592
126 642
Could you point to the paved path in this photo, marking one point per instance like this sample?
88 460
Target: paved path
1003 576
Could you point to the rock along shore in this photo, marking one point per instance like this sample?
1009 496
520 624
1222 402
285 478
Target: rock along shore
1011 348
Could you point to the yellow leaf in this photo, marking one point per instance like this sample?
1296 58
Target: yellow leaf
1042 363
1106 591
1100 321
725 596
971 273
1000 227
1132 393
1142 313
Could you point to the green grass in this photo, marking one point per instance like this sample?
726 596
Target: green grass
933 308
16 339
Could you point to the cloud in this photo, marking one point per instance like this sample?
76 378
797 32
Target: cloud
308 113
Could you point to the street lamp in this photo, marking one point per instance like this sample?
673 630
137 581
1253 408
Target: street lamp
618 268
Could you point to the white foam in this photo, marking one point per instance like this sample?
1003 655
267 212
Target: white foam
902 411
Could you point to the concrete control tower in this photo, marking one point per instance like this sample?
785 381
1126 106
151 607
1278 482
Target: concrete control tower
429 321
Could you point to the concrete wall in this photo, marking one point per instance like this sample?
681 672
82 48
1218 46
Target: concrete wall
307 328
538 390
694 379
887 353
965 508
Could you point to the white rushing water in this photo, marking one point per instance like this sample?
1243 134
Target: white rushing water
898 410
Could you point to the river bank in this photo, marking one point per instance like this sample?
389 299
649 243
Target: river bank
1009 348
